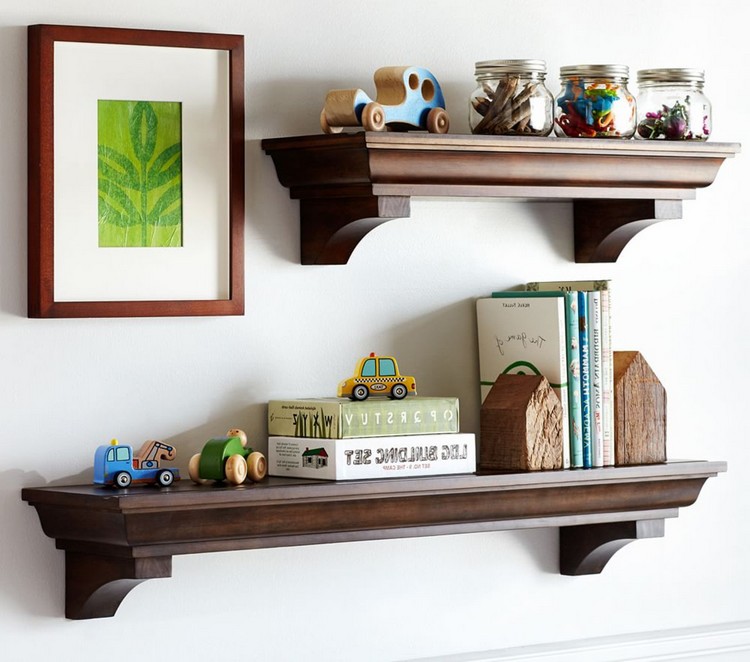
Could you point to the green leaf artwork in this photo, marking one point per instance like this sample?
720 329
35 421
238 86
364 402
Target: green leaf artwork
140 173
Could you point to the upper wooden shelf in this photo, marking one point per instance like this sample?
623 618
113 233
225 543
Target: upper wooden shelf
349 184
115 539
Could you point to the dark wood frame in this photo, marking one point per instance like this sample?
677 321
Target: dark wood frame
41 139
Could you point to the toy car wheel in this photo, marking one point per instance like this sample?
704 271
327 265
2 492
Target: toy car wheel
256 466
165 478
360 392
194 469
373 117
398 392
327 128
123 479
438 121
235 469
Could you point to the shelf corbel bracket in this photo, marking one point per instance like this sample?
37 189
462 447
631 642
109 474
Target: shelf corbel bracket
95 585
331 227
585 549
603 227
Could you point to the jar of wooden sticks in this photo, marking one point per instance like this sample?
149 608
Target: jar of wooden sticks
511 99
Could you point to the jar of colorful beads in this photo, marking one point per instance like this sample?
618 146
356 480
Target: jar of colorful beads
595 102
672 105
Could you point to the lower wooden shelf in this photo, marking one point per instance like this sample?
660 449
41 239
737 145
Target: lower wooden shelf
115 539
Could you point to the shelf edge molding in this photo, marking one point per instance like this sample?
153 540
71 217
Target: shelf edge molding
348 184
115 539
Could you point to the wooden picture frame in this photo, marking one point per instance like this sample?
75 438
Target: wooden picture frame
82 259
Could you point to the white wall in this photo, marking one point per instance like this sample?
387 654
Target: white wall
68 385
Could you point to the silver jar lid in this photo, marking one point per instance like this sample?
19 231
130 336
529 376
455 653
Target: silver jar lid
595 71
492 68
671 75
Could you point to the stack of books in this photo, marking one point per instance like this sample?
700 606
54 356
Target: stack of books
563 331
342 439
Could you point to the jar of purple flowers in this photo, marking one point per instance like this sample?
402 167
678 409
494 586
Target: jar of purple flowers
672 105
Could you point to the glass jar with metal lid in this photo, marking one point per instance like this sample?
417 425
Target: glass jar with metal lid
511 99
595 102
672 105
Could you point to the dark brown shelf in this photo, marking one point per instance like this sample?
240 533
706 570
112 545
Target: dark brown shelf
349 184
115 539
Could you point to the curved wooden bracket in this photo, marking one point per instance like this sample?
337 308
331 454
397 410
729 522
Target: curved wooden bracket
604 227
96 585
332 227
586 549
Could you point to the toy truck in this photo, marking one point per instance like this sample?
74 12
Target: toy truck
378 375
227 458
407 98
117 465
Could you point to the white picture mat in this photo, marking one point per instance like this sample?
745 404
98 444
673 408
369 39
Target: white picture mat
199 79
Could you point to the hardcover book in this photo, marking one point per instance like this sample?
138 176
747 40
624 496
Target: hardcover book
372 457
524 333
574 379
583 339
595 382
604 290
341 418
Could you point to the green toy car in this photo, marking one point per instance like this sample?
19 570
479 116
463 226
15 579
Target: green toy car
227 458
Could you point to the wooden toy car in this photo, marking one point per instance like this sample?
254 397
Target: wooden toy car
227 458
378 375
407 98
119 466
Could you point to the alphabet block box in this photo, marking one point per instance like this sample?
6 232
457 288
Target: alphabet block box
521 426
640 411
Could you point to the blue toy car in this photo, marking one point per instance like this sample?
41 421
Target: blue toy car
407 98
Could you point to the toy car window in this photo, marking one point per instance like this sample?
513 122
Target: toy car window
111 455
122 454
387 368
368 368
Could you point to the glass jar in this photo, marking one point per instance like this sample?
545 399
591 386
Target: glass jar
595 102
511 99
672 105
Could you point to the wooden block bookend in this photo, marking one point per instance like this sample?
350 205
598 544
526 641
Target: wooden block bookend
640 411
521 426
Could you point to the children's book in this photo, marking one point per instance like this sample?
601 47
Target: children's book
524 333
583 338
603 287
574 379
595 381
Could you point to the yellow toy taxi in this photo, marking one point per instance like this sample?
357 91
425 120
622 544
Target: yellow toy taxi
377 375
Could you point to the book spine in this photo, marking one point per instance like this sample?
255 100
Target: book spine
608 389
574 380
595 380
375 417
583 338
563 392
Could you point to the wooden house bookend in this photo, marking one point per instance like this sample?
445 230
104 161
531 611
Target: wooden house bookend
521 426
640 412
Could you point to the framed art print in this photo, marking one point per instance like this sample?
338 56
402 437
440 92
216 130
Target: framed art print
136 172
